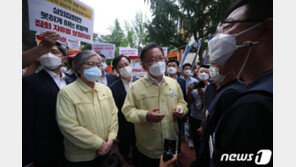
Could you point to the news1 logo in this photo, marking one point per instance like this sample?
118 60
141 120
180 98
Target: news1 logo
262 157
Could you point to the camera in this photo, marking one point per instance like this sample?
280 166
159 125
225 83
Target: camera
169 149
200 84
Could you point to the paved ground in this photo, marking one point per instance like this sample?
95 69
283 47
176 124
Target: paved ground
186 158
188 154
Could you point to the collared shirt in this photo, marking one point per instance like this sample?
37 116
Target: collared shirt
142 96
87 117
155 81
60 81
103 80
126 84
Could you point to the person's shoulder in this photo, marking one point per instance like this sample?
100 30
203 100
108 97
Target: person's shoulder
253 104
31 79
140 81
229 93
115 84
193 79
70 88
110 75
170 80
254 97
181 80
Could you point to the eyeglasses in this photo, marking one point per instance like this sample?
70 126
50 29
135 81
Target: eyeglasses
154 60
91 63
228 22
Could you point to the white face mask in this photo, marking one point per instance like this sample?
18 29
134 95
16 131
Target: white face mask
157 69
203 76
187 72
222 46
126 72
50 61
215 76
172 70
104 66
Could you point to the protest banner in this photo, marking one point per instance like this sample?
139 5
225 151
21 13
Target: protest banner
132 53
70 18
107 49
73 47
128 51
138 70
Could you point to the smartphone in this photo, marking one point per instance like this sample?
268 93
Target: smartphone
169 149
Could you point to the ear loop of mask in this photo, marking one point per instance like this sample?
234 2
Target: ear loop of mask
250 44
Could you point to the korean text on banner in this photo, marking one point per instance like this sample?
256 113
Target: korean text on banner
69 18
128 51
107 49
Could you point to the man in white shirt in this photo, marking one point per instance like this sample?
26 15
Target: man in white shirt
119 88
106 78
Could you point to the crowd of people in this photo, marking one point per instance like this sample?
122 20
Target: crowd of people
80 115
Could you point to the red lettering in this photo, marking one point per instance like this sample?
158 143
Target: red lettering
42 24
81 35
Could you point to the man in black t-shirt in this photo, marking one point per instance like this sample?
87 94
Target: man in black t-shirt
243 136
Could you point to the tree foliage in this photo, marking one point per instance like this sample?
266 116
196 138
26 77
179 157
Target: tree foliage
198 17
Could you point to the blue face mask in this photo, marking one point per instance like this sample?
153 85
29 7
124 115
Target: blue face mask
92 74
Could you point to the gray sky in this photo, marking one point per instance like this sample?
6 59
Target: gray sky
106 11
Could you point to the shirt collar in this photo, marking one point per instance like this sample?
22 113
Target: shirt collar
53 74
85 87
150 80
124 82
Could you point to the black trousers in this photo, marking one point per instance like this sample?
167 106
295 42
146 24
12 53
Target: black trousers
142 160
93 163
126 140
194 124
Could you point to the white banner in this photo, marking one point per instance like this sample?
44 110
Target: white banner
107 49
69 18
128 51
138 70
165 51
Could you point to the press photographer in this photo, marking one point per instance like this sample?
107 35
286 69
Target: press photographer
195 98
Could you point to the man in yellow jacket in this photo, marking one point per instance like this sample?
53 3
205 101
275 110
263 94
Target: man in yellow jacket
154 104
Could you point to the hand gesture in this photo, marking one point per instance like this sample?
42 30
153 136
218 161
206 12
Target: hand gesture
152 116
169 163
178 113
49 39
104 149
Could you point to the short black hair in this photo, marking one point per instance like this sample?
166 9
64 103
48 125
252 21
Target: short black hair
117 59
173 60
102 55
205 66
186 64
256 9
149 47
